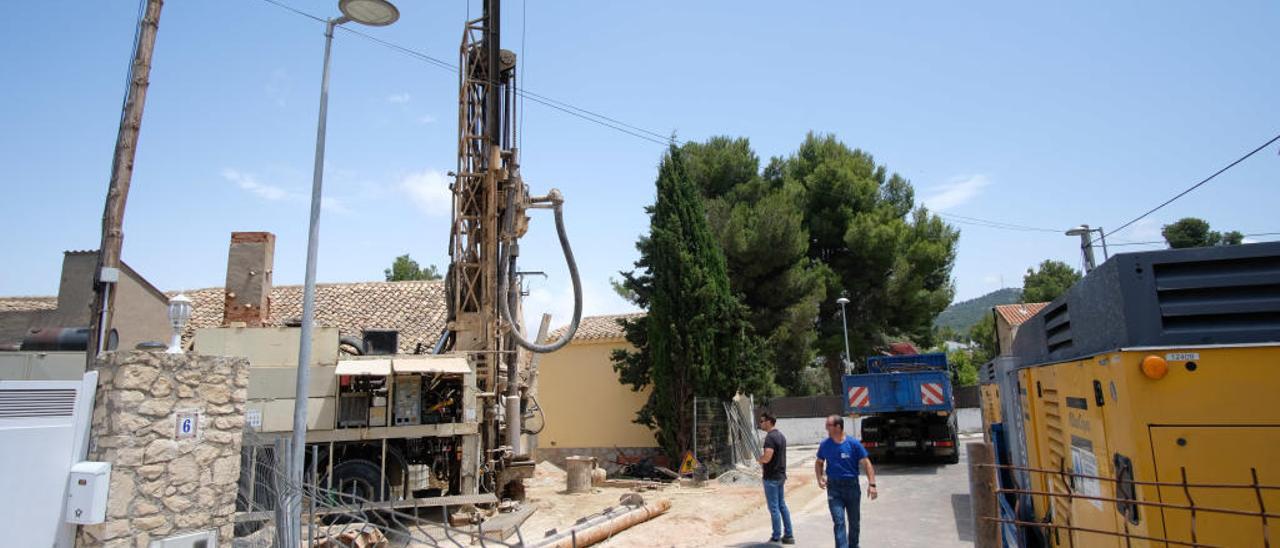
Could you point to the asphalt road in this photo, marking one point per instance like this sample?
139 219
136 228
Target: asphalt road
925 505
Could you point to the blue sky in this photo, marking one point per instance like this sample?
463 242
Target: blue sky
1040 115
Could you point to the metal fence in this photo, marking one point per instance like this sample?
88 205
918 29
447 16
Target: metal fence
1063 488
333 515
724 434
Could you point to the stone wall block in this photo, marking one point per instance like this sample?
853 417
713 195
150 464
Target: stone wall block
161 388
161 485
136 376
161 450
156 407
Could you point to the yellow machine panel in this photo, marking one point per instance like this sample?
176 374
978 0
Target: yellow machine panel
1212 414
1218 455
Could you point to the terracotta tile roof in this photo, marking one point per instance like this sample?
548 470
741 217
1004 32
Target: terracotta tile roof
1015 314
414 308
597 328
26 304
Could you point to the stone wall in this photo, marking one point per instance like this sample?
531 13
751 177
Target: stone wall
162 485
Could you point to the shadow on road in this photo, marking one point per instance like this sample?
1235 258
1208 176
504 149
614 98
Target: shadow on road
903 467
962 507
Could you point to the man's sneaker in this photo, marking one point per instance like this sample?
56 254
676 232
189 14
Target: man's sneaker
772 540
788 539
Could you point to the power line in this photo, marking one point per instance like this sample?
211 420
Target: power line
1162 242
567 108
1193 187
976 221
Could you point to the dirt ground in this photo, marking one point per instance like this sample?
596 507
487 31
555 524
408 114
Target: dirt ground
698 515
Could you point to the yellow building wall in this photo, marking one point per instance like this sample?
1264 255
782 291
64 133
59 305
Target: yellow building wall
584 403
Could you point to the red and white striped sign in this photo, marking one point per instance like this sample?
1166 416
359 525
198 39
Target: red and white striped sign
859 396
931 393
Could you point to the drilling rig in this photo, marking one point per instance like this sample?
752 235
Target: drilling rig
440 428
490 202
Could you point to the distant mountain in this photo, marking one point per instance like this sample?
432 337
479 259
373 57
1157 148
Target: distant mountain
960 316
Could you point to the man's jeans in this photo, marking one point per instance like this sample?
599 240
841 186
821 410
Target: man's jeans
843 498
777 506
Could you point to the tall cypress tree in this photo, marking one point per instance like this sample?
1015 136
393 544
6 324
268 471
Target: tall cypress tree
695 339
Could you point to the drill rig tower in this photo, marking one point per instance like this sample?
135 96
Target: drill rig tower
490 201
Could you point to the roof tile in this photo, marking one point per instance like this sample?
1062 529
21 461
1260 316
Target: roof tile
1016 314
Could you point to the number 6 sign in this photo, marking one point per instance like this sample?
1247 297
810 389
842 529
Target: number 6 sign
188 426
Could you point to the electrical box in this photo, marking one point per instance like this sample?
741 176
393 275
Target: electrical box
408 400
87 492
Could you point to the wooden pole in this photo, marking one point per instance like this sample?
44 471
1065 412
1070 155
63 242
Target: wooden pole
982 494
121 174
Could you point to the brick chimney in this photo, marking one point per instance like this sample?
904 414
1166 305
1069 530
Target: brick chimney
248 289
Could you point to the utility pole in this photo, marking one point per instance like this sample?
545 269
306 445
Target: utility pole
1086 245
108 271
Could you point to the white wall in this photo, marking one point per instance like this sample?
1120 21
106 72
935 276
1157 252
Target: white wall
969 419
811 430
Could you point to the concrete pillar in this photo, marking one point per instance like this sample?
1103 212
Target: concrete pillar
982 493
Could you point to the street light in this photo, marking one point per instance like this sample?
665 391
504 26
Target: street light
1086 244
848 360
375 13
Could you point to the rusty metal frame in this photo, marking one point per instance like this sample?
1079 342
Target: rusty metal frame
1186 486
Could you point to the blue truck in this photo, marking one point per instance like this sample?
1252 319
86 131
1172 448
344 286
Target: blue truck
906 407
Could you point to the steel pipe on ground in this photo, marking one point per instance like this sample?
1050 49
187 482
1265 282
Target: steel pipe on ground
604 526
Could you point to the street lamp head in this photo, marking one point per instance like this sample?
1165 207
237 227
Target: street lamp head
179 313
842 301
1082 229
375 13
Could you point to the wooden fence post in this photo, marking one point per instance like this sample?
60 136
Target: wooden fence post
982 493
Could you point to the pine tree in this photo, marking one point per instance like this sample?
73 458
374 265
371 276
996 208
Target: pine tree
695 339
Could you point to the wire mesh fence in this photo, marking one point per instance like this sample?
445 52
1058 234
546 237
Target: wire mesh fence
724 434
1184 521
336 515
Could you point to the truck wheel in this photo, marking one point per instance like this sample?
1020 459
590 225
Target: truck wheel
358 480
954 459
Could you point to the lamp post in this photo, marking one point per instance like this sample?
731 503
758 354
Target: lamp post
179 313
375 13
848 360
1086 244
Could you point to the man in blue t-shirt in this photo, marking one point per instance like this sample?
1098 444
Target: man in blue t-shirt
840 455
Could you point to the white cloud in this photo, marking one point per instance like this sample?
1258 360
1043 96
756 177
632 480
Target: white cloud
991 279
957 192
398 98
250 183
427 119
429 190
1249 241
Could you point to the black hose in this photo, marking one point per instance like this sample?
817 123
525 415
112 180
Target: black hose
506 283
353 342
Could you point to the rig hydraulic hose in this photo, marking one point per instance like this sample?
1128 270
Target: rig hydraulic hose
507 264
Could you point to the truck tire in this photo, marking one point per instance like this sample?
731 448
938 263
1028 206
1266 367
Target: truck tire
954 458
358 480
